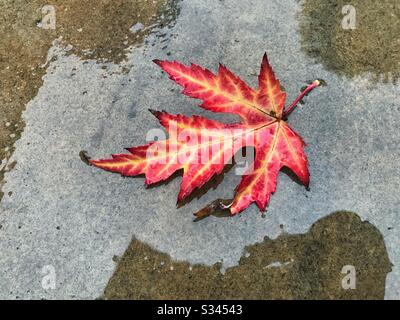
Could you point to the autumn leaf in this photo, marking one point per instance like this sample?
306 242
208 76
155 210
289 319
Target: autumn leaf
202 147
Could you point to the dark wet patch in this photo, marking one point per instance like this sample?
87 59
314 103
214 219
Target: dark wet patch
309 267
103 31
99 30
372 47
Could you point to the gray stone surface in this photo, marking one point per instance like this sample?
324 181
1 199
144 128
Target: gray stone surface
351 128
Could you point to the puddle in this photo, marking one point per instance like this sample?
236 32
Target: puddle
105 30
304 266
372 47
102 31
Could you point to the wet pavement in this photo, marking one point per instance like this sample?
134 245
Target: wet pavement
290 267
59 214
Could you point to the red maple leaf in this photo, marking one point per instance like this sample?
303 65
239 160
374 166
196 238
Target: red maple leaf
202 147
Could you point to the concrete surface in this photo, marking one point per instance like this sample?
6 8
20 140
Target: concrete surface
76 218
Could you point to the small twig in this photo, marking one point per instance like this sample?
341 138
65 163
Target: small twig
85 157
218 208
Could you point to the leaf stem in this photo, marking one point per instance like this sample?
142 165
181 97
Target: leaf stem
289 110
